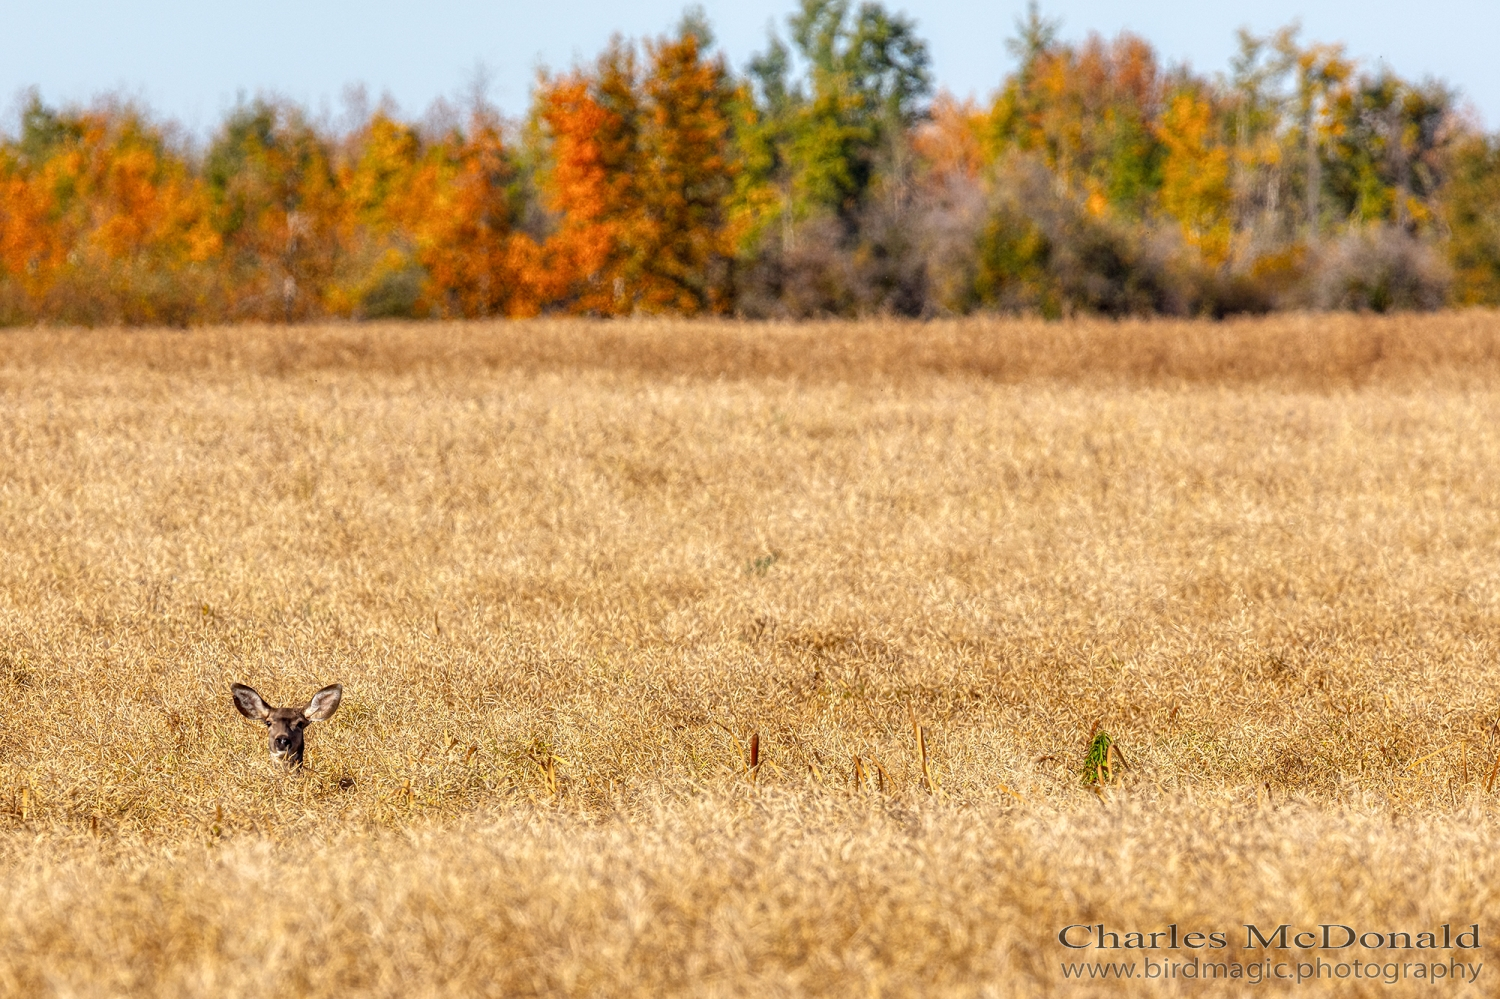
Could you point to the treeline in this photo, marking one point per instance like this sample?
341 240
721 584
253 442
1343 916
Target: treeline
827 179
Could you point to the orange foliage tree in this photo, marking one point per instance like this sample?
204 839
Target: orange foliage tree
589 185
476 263
431 228
950 143
100 221
642 173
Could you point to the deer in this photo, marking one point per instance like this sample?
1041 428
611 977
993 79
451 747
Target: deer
286 726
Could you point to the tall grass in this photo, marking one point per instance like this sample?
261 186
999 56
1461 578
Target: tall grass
569 575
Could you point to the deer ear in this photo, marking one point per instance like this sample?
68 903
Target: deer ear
324 703
249 703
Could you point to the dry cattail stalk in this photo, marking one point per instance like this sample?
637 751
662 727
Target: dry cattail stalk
928 780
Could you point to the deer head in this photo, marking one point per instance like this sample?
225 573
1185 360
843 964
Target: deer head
285 726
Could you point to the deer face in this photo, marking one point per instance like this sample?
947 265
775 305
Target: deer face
285 726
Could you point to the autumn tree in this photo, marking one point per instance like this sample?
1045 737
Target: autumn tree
1386 148
101 220
1195 174
641 172
1089 112
1470 209
590 123
477 262
1253 99
1320 74
277 206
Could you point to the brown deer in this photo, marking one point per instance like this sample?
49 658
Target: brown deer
285 725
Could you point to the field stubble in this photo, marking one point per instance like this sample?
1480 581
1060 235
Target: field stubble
566 572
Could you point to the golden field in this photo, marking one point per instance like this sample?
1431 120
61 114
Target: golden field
566 571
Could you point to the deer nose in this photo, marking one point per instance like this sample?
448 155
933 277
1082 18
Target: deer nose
281 742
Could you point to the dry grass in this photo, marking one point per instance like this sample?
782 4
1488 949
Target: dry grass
1319 352
567 571
766 895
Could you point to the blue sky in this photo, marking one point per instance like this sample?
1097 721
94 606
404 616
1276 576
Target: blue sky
191 60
